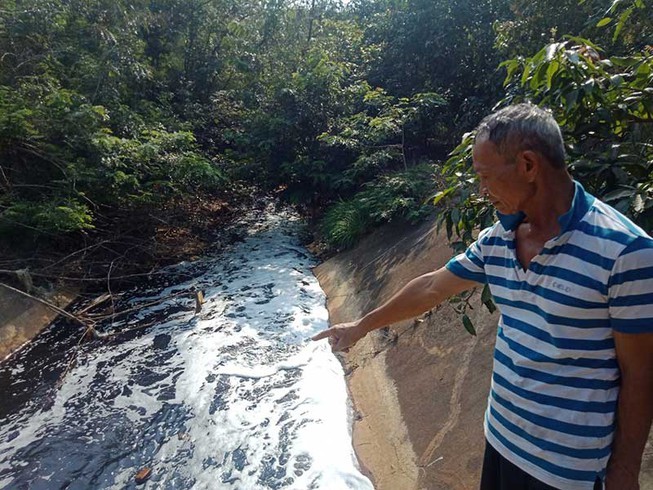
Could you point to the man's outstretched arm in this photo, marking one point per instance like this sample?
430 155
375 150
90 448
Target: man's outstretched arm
418 296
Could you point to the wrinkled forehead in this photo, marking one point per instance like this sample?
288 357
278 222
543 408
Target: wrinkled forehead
486 155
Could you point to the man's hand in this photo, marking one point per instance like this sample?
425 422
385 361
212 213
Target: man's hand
342 336
418 296
621 478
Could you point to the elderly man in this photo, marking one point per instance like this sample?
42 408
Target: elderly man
571 398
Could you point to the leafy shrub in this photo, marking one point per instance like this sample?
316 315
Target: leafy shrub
396 195
59 159
47 217
345 223
152 167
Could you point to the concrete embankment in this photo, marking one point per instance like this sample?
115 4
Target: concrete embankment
22 318
420 387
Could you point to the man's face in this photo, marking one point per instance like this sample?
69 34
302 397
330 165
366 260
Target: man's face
500 180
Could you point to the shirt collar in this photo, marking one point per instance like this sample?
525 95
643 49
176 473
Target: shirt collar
580 204
510 222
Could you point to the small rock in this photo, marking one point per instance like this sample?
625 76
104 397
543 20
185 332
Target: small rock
142 475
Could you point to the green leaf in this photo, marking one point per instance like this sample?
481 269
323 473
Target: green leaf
538 76
571 98
604 21
527 72
551 71
614 5
486 294
588 86
441 195
622 22
486 299
582 40
511 67
469 326
491 307
455 215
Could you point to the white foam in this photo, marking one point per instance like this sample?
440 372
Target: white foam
234 397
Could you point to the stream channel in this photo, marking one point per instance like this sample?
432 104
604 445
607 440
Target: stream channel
233 397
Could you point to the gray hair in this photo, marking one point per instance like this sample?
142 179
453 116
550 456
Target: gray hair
523 127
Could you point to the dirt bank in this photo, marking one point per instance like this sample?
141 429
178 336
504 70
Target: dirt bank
22 318
419 388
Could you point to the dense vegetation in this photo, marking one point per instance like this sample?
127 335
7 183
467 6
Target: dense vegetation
116 111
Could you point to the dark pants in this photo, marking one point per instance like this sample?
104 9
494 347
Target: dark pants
500 474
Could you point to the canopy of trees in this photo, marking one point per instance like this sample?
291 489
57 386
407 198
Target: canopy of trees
349 110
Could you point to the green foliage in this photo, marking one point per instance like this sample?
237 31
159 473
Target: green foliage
380 137
463 212
151 168
437 46
603 102
604 105
462 303
395 195
82 122
47 217
129 104
344 224
631 21
535 24
58 156
469 326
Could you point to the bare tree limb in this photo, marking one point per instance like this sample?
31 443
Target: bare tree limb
90 279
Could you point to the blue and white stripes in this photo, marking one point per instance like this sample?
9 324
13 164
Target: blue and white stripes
555 383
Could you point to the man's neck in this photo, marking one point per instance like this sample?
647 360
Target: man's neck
553 196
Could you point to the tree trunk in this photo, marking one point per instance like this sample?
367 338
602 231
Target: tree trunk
310 23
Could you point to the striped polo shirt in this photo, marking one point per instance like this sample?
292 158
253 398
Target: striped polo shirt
555 379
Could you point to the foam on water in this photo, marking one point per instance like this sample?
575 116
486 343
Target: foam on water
235 397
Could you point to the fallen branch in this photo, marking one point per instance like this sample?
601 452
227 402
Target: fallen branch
76 252
96 302
140 307
91 279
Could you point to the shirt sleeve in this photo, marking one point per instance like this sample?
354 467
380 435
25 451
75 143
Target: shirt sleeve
630 292
471 263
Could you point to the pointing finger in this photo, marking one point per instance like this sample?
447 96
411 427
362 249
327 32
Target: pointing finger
323 334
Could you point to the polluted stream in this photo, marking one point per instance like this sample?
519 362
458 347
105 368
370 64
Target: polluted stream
234 396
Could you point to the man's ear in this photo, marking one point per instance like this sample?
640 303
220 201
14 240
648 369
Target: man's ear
530 162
